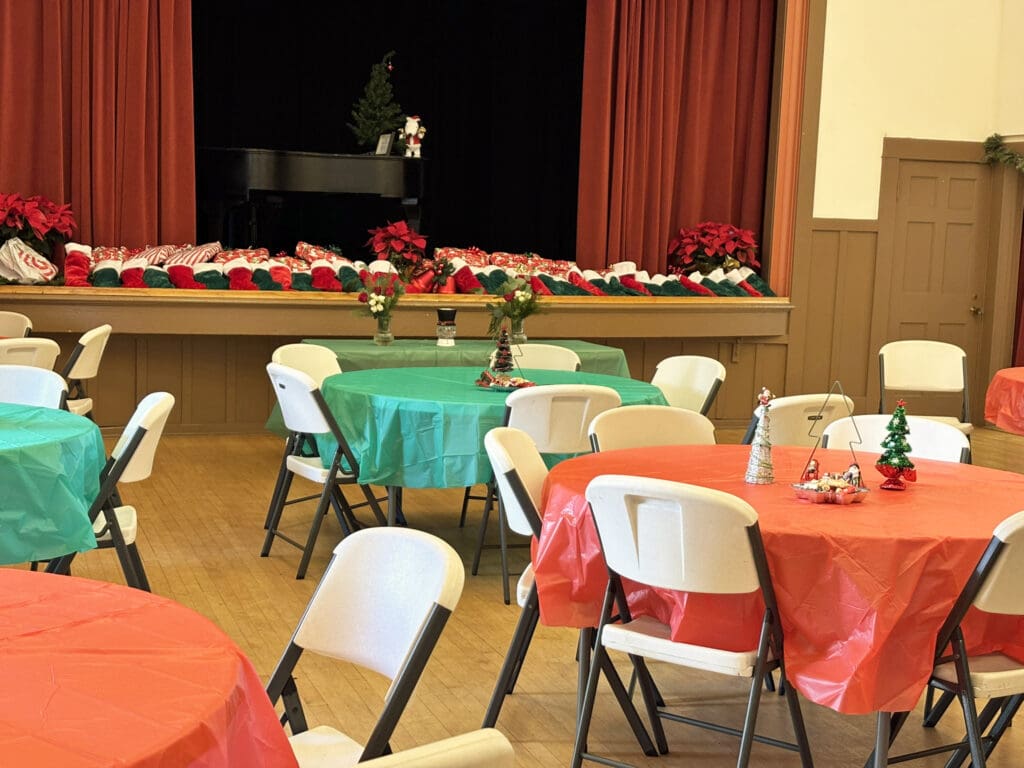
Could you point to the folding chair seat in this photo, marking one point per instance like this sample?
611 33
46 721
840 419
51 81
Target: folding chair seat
675 536
638 426
14 325
381 605
689 381
994 588
476 749
548 357
114 523
801 419
928 438
556 416
919 365
83 364
38 352
28 385
306 414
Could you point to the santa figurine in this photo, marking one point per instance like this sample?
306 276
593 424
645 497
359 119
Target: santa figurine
413 134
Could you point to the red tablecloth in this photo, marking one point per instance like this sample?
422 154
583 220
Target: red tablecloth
862 588
97 674
1004 400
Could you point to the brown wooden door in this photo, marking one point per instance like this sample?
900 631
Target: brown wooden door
940 257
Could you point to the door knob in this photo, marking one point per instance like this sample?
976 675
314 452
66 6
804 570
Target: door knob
977 311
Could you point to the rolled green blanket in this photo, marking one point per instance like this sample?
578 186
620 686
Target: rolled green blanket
302 281
156 278
212 279
107 277
562 287
350 281
759 283
263 279
492 281
724 288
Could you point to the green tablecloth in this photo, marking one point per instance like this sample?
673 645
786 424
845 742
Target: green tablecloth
363 354
50 462
425 427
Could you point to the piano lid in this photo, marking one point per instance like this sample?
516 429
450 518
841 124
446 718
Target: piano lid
235 172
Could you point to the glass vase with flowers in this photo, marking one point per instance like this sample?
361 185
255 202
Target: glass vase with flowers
518 301
381 292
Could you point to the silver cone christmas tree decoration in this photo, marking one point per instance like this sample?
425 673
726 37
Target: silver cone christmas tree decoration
759 465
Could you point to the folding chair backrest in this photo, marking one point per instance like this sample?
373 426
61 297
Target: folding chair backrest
315 361
549 357
14 325
689 381
674 536
922 366
638 426
513 451
84 362
1001 591
301 409
801 419
136 447
28 385
929 439
42 353
557 416
484 748
379 590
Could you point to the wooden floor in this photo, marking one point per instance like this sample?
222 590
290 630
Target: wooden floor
201 530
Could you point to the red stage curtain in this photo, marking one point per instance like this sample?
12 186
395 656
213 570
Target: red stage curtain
676 102
97 112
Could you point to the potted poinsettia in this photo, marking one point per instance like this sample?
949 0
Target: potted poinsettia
39 223
711 245
399 244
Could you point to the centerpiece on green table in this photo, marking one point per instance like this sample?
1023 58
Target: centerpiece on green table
518 301
381 292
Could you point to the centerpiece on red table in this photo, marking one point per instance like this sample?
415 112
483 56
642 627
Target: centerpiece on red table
518 301
711 245
381 292
894 463
399 244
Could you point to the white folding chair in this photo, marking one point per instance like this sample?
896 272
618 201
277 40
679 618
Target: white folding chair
689 381
639 426
556 416
42 353
84 363
382 604
14 325
486 747
115 524
801 419
28 385
306 414
994 588
918 365
315 361
675 536
929 439
519 473
548 357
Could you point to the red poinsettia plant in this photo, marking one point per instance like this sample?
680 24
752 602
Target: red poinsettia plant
40 223
711 245
399 244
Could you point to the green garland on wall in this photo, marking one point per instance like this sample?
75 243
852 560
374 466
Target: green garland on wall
997 152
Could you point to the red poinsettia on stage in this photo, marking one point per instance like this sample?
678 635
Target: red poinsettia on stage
399 244
710 245
40 223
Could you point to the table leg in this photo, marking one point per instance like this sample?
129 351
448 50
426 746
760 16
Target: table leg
395 516
881 740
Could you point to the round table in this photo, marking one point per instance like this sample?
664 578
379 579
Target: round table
98 674
425 427
50 462
862 588
1004 400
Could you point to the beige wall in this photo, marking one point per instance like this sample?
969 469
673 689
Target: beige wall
931 69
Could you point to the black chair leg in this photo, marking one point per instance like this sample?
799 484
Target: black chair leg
314 531
140 571
513 658
274 514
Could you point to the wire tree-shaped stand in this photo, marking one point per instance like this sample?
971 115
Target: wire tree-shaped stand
503 362
759 465
894 463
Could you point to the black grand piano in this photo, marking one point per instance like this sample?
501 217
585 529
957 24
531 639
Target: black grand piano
273 198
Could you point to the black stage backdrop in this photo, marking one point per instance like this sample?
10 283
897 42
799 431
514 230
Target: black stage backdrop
498 87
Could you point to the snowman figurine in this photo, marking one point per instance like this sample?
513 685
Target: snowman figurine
413 134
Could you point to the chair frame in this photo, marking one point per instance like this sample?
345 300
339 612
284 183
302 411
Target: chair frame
692 418
836 392
965 407
976 744
76 384
15 318
770 656
281 685
331 494
826 438
709 399
29 372
39 343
